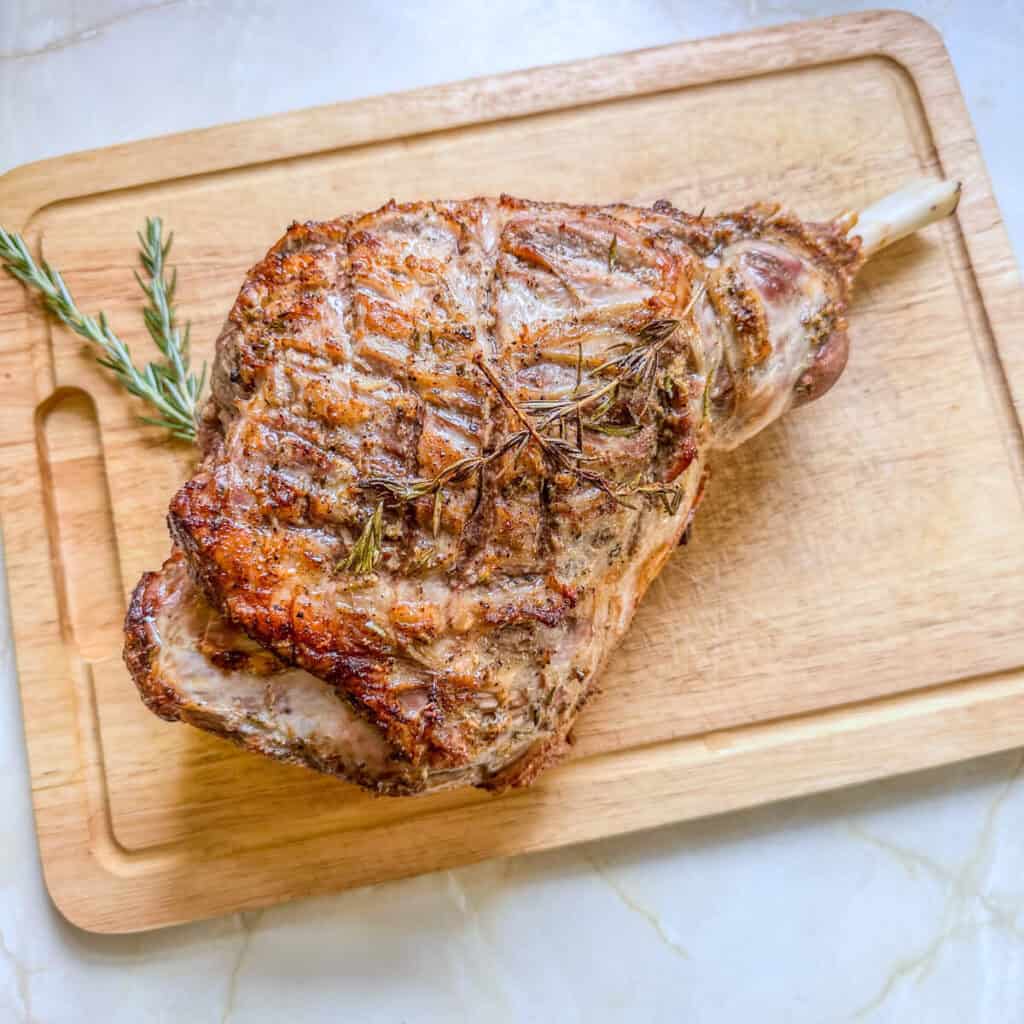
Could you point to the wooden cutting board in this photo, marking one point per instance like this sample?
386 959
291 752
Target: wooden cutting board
849 606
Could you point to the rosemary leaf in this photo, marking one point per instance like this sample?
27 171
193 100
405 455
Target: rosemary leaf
161 322
400 490
613 429
366 552
436 517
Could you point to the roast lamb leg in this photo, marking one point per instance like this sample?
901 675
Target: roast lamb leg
448 447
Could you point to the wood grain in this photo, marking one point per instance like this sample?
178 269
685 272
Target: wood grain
849 606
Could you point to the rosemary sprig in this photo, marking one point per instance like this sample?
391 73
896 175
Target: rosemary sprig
366 552
160 320
636 356
559 452
157 384
636 365
462 469
572 405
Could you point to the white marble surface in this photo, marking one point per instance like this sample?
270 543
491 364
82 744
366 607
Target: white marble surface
902 901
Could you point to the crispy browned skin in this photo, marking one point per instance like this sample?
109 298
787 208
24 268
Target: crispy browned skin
394 344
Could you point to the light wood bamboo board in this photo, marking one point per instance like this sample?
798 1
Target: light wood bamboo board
850 605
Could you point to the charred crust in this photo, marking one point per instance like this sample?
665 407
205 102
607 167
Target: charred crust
140 650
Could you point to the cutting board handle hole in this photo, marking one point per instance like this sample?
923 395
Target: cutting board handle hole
80 523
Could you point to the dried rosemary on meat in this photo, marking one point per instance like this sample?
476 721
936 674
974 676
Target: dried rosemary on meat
635 366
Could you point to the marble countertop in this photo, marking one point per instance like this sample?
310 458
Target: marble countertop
900 901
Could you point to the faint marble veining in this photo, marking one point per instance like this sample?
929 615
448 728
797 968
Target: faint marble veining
247 923
91 31
462 899
23 980
965 893
638 908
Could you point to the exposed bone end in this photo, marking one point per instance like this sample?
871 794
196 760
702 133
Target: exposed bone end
901 214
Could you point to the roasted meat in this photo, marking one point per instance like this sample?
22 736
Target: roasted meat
448 447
